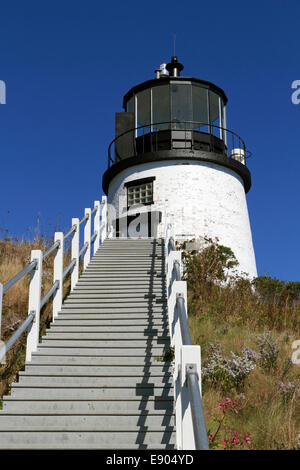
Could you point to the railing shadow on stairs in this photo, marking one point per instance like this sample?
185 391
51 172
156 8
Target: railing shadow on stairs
35 269
162 400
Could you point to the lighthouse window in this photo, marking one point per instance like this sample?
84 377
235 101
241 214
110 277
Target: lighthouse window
140 192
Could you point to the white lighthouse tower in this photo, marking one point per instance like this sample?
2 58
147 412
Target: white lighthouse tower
173 157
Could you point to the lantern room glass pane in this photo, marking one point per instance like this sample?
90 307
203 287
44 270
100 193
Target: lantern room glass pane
161 107
143 111
130 105
215 113
181 106
200 108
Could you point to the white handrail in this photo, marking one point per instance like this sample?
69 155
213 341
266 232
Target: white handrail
35 267
190 425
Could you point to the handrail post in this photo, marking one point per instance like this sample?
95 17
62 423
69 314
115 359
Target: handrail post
75 253
1 297
58 273
97 225
103 218
34 303
87 238
189 355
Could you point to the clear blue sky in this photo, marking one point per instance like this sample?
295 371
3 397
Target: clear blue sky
67 64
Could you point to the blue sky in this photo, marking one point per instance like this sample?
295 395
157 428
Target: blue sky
68 64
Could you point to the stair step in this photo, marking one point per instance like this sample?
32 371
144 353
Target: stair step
108 288
51 350
109 336
108 296
90 382
124 285
138 407
82 316
88 440
108 309
85 423
77 343
122 262
120 311
119 322
120 277
140 329
97 371
89 361
107 393
115 302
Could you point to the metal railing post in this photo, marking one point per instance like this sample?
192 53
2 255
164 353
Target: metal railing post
75 253
103 226
58 273
87 237
193 426
34 303
97 225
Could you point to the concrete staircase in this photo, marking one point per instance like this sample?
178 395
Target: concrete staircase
95 381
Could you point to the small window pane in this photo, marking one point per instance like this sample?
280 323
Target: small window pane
140 194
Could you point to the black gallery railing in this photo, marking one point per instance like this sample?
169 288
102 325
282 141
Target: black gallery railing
185 135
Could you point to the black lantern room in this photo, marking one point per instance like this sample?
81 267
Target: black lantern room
175 117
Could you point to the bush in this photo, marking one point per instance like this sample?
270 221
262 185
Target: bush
228 373
268 350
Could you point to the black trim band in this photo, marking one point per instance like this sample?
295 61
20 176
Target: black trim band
180 155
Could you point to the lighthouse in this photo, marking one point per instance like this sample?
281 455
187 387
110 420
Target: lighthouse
174 159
